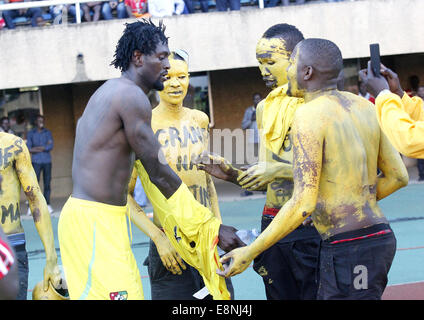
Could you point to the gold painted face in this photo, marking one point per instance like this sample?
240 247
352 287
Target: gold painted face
273 61
176 84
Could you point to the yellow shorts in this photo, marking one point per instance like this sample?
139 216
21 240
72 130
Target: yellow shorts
96 254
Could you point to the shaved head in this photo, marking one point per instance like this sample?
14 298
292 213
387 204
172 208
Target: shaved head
323 55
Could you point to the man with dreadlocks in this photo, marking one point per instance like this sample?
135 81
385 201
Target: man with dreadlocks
114 130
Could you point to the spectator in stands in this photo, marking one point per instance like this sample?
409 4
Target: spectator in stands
35 14
414 83
189 7
163 8
5 125
89 7
136 8
223 5
274 3
59 10
118 5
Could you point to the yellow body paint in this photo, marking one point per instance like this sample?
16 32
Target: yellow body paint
273 61
16 170
183 134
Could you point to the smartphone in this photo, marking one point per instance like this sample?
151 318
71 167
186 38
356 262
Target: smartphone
375 59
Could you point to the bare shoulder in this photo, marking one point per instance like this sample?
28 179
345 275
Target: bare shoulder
199 117
128 96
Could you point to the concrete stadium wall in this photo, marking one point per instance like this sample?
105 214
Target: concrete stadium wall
215 40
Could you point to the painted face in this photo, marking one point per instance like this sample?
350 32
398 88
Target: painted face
294 89
273 60
156 66
176 84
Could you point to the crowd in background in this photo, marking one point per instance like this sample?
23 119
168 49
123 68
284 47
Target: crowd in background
121 9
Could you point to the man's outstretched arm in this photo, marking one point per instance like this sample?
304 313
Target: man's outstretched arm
307 164
169 256
40 212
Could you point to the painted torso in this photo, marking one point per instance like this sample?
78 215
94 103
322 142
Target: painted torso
183 136
10 147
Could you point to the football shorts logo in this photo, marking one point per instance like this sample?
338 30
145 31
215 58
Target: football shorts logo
119 295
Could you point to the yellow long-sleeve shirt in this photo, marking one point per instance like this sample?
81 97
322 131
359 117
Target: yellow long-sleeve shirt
402 120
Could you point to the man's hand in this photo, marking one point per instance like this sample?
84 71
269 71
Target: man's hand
216 166
169 256
239 259
258 176
228 240
113 4
373 83
393 80
52 274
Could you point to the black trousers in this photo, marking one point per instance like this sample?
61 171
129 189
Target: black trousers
23 271
46 168
289 269
167 286
356 270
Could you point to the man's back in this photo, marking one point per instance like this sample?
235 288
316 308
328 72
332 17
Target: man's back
103 158
351 145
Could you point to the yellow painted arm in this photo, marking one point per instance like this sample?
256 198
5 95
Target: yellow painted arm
402 120
213 196
40 212
307 164
169 256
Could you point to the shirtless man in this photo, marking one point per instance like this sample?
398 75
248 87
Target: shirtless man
289 267
338 147
16 170
183 134
113 131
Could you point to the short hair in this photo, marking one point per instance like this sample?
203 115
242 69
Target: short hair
142 35
290 34
39 116
3 118
324 54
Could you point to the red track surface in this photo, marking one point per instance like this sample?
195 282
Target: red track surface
408 291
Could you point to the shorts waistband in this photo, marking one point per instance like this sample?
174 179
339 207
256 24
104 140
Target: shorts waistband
103 206
270 211
372 231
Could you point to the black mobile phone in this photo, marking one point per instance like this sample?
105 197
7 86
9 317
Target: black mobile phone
375 59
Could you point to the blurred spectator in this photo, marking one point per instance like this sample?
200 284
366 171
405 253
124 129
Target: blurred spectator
414 83
364 93
115 5
89 7
60 13
223 5
40 143
274 3
204 5
35 14
420 92
163 8
5 125
189 8
136 8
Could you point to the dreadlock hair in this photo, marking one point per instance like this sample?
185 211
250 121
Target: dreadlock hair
290 34
142 35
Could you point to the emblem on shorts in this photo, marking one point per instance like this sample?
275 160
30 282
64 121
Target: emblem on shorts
175 234
119 295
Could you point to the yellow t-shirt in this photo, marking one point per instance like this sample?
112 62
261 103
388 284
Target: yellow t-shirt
402 120
192 229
